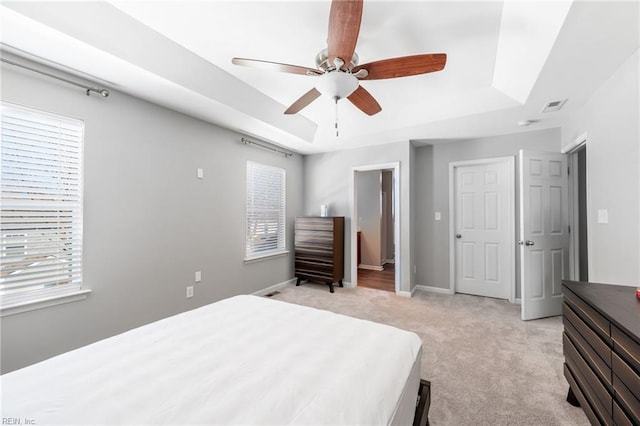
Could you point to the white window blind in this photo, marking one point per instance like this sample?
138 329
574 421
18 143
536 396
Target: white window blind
265 210
41 223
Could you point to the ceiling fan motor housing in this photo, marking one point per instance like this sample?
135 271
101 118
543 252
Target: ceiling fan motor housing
322 61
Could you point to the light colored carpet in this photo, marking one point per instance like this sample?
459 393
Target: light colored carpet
486 366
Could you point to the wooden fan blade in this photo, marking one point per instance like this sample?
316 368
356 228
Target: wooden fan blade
344 27
304 100
403 67
275 66
364 101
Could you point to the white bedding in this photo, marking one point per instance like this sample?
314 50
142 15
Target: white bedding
243 360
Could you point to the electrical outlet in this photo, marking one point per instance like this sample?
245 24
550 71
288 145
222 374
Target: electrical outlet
198 276
189 292
603 216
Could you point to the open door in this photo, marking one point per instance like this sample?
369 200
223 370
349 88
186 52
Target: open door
544 232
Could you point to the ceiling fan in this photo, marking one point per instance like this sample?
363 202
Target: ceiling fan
338 73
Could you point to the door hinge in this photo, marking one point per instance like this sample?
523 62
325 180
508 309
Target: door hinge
569 228
568 171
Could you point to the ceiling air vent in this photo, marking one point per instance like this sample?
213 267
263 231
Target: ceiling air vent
553 106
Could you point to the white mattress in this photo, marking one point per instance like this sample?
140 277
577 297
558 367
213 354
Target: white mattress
243 360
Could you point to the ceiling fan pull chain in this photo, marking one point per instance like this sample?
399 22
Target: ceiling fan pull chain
336 125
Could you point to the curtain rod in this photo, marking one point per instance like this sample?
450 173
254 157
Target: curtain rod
102 92
267 147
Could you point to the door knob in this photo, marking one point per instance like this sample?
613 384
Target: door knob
526 243
458 236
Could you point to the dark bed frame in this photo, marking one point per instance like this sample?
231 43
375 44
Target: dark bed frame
422 404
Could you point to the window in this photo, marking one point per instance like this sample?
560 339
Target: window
265 210
41 221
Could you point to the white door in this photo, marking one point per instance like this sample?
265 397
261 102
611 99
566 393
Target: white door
483 228
544 232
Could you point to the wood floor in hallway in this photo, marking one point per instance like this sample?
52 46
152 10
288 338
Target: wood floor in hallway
380 280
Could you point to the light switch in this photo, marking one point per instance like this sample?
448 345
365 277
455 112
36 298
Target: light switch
438 216
200 173
198 276
603 216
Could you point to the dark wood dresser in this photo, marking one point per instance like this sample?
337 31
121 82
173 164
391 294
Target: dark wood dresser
601 343
319 247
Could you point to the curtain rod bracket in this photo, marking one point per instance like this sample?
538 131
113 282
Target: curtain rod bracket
102 92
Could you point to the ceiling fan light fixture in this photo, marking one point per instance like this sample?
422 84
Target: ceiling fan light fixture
336 84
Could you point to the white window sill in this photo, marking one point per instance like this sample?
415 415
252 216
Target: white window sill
266 256
44 302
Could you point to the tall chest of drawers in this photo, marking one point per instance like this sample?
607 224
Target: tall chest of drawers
319 249
601 343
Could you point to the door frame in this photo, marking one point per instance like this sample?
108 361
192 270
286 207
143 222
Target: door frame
395 169
510 162
574 218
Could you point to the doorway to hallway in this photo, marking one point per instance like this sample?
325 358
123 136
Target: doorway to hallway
379 280
375 213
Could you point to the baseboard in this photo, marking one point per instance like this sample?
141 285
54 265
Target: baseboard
407 294
274 287
434 289
391 261
371 267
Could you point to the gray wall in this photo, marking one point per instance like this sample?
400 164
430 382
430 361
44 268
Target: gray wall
327 180
149 224
432 193
610 120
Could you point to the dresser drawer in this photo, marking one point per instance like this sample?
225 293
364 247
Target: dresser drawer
626 347
596 344
313 263
620 417
321 253
626 374
584 403
314 239
626 386
593 389
314 268
626 399
595 363
314 224
589 315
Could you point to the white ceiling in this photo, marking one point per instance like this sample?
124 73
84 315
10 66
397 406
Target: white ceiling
506 59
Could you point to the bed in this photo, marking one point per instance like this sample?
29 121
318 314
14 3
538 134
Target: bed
242 360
